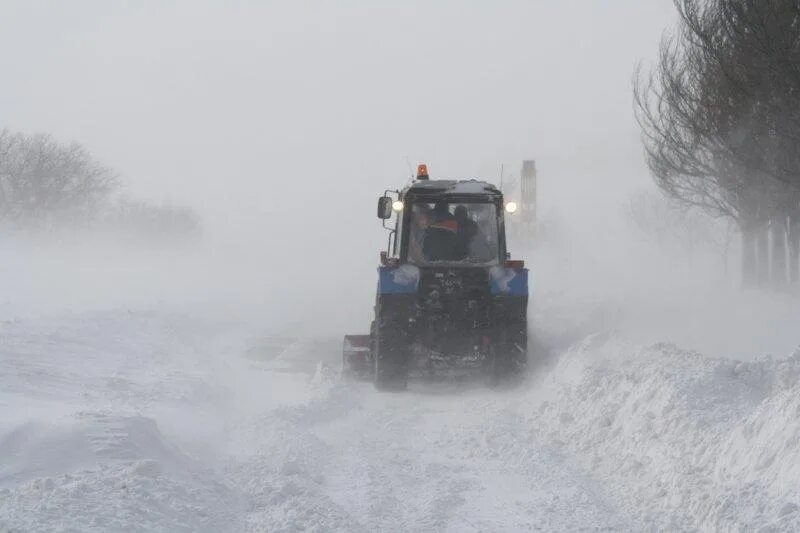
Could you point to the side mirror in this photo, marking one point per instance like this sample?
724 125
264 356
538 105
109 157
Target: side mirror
384 207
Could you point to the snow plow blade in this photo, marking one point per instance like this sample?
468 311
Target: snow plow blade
356 361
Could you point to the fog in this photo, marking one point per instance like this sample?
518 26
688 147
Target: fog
283 122
144 380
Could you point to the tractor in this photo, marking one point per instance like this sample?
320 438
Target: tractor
449 300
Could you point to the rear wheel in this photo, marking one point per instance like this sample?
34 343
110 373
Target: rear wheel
509 355
390 357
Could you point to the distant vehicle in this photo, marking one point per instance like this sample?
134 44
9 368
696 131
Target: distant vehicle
449 297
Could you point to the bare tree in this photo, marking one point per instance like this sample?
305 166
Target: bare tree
43 181
720 115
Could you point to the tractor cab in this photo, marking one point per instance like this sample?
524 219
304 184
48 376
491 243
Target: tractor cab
446 223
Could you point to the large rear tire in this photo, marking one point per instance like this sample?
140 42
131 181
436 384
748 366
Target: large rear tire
509 358
390 357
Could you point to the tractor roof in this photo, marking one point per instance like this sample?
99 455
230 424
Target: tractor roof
452 187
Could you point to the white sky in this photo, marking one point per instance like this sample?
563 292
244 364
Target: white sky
260 107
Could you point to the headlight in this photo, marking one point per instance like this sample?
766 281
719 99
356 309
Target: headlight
397 206
511 207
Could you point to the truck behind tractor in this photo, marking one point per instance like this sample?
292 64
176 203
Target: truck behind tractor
449 298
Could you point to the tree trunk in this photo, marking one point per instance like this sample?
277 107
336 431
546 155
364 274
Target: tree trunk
794 248
749 264
762 255
778 230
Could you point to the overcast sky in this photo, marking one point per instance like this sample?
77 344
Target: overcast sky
257 106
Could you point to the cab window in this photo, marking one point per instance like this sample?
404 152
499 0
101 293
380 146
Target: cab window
453 232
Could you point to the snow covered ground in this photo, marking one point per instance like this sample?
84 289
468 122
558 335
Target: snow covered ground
116 420
166 418
154 421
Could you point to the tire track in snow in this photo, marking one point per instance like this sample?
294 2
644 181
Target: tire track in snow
460 461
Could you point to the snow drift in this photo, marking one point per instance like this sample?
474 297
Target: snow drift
685 440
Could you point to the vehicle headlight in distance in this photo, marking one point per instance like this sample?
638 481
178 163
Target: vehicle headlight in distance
511 207
397 206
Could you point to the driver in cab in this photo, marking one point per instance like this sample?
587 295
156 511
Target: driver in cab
447 236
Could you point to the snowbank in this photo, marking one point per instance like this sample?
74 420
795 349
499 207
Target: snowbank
120 420
687 441
152 420
106 473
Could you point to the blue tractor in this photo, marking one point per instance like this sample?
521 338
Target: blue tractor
450 299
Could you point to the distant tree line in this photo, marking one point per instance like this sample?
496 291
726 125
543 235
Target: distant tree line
136 220
720 115
47 185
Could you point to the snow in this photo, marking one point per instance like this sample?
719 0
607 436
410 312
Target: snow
685 440
457 186
406 275
159 417
502 277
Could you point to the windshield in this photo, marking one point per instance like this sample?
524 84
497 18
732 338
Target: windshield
453 232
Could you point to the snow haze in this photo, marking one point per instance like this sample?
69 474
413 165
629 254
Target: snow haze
194 386
282 122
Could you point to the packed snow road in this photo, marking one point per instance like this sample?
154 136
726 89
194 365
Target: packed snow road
159 422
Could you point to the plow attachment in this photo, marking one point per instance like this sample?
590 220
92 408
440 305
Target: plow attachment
356 359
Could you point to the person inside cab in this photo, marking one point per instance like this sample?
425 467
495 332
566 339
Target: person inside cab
467 230
441 241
